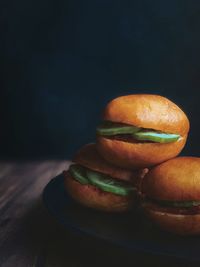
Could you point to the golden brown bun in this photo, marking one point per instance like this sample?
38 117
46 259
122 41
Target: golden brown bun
175 223
148 111
92 197
177 179
89 157
137 155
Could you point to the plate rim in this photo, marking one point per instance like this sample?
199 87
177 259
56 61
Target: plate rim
125 243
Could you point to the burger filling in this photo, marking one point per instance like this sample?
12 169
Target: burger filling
176 207
103 182
128 133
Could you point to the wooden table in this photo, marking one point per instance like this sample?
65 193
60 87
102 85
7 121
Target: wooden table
29 236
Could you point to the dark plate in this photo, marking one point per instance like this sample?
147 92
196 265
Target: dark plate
129 230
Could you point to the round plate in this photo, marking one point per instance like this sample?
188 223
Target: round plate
130 230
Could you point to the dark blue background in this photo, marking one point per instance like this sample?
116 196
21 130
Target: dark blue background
62 61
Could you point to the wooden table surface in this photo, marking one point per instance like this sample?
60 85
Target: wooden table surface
29 236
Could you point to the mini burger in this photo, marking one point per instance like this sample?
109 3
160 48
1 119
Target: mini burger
141 131
93 182
171 194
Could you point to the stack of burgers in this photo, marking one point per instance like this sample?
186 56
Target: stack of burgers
135 161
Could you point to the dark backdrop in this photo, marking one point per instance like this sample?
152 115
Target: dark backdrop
62 61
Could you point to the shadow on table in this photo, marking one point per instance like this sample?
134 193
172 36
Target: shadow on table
54 246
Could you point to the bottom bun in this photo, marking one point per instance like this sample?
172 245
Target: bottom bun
137 155
175 223
92 197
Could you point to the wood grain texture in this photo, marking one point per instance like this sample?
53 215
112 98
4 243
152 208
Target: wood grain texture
29 236
21 185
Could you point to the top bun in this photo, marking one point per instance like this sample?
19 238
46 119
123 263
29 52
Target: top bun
89 157
148 111
175 180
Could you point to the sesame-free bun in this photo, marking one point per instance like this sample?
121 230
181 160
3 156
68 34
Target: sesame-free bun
89 157
175 180
146 111
175 223
92 197
137 155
